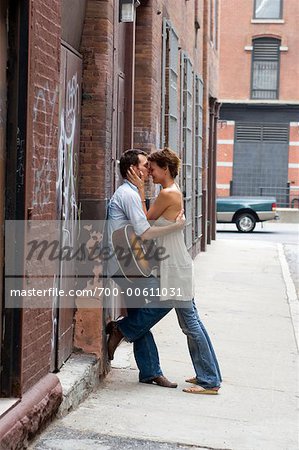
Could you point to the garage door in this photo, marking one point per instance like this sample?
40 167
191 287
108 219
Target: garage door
261 160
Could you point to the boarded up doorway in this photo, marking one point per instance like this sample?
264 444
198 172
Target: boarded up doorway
67 194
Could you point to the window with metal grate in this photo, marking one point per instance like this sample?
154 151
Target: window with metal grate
170 68
265 68
186 141
197 155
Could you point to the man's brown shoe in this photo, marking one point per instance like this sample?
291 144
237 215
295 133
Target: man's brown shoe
115 338
161 381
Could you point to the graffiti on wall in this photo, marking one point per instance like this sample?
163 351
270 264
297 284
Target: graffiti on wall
43 119
66 184
67 161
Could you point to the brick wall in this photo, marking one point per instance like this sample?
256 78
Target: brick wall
96 148
42 145
225 157
147 102
96 136
237 31
149 57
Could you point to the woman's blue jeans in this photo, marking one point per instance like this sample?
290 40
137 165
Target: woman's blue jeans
200 347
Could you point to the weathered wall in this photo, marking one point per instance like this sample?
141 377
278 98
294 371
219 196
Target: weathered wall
96 136
42 151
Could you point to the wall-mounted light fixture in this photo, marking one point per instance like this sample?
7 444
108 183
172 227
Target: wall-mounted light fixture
127 10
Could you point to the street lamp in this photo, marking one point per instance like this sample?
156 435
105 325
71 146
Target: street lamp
127 10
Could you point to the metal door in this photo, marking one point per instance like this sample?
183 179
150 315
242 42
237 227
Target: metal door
67 193
261 160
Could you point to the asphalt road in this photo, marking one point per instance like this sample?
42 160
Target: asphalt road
286 234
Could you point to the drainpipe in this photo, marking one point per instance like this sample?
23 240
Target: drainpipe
196 21
205 55
213 218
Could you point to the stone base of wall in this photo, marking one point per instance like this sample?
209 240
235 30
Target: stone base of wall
31 414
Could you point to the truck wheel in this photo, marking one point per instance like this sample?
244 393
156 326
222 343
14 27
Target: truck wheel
245 223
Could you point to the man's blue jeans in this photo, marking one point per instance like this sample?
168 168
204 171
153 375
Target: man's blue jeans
140 319
200 347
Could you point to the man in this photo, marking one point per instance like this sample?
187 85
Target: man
126 206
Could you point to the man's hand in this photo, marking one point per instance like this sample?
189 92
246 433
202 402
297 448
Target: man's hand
180 220
138 181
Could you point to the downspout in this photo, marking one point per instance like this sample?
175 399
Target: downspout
214 175
205 53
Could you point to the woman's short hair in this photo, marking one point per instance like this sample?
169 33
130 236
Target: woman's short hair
129 158
166 158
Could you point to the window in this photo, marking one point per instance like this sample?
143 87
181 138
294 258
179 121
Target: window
186 141
265 68
197 162
170 68
268 9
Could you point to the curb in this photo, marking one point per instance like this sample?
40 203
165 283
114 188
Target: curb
79 376
291 293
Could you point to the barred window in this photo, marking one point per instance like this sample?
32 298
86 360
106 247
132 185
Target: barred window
170 69
268 9
197 162
186 141
265 68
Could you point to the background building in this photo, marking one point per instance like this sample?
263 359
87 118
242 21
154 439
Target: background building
80 82
258 145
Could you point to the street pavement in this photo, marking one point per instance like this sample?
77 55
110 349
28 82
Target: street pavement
241 295
287 234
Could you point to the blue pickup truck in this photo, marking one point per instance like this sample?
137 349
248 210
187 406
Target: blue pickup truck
245 212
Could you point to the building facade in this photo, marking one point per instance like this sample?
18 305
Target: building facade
258 152
78 86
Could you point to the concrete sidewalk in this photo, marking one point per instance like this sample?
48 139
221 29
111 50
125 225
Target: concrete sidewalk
242 300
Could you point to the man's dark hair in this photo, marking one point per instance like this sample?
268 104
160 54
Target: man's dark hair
129 158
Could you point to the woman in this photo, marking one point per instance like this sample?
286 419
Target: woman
176 271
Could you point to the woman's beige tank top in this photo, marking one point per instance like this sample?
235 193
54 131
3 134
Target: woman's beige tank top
176 271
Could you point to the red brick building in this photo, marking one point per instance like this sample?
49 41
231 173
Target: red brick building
78 86
258 152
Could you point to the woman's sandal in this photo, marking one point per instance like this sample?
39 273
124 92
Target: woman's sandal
192 380
201 390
